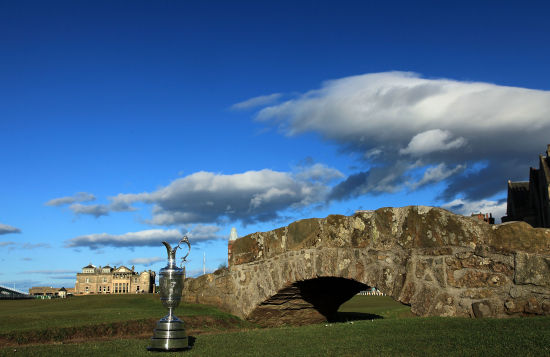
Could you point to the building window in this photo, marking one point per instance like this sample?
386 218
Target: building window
87 280
86 289
104 280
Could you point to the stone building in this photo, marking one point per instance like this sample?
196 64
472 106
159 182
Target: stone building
529 201
107 280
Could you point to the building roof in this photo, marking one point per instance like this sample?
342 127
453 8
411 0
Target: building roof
89 266
518 186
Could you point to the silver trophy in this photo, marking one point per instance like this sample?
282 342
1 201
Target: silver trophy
169 335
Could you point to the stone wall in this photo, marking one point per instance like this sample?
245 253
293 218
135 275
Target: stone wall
437 262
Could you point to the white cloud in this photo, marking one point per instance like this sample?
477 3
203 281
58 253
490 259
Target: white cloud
77 197
203 232
318 172
93 210
5 244
5 229
96 210
436 174
146 261
394 119
252 196
466 208
432 141
146 238
256 101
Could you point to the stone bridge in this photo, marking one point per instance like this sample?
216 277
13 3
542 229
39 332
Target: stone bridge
439 263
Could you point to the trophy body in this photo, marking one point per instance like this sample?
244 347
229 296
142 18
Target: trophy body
169 334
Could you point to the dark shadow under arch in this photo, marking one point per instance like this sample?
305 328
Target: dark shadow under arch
308 301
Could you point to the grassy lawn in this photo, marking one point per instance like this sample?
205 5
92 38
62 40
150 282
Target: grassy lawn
383 306
395 333
406 337
20 315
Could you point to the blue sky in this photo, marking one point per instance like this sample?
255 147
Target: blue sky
123 124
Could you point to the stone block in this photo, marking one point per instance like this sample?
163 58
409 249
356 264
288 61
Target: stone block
532 269
514 306
474 279
422 301
533 306
482 309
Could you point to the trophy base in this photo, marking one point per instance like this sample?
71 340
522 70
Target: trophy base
169 336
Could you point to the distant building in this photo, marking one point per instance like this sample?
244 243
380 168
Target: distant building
50 292
107 280
529 201
232 237
485 217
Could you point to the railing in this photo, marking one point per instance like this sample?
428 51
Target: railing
374 292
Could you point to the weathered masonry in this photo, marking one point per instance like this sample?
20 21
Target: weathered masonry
439 263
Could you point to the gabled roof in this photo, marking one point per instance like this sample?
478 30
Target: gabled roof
89 266
122 268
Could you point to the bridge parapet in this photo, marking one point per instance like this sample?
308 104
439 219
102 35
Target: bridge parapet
439 263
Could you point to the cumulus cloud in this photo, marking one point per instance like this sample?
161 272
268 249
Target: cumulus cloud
96 210
257 101
318 173
5 229
146 238
432 141
203 232
93 210
24 246
249 197
146 261
436 174
398 121
67 200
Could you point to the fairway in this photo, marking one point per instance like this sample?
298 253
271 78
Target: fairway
372 306
406 337
392 331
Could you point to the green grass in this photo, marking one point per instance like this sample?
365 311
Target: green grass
21 315
396 333
406 337
383 306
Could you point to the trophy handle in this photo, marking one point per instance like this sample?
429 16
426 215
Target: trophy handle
186 241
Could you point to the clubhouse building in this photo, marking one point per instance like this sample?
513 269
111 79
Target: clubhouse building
107 280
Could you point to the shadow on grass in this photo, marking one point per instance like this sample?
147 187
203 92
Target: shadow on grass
191 340
354 316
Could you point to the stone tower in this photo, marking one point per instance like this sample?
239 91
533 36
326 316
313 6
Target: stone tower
232 237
